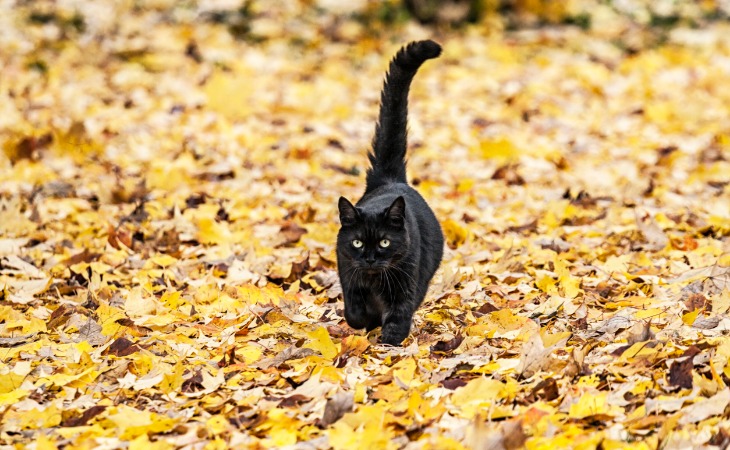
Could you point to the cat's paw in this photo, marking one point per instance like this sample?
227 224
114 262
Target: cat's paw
394 337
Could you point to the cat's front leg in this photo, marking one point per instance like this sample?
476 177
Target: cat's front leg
356 314
397 324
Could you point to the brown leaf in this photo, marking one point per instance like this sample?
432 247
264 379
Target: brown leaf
546 390
292 232
28 147
692 350
85 256
193 383
352 345
529 227
83 419
294 401
119 236
680 373
580 324
514 434
298 268
509 174
720 439
640 332
292 352
336 407
447 346
229 358
698 301
686 244
121 347
453 383
618 351
486 308
63 313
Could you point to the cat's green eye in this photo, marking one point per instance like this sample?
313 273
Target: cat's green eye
384 243
357 243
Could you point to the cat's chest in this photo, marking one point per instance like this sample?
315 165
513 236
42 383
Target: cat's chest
381 288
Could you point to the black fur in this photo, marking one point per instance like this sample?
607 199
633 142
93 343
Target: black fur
384 285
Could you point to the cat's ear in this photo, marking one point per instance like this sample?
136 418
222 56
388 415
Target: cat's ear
348 213
396 212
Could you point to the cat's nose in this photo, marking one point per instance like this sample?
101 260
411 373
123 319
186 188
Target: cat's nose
370 260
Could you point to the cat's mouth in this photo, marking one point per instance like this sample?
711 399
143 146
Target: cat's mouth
371 270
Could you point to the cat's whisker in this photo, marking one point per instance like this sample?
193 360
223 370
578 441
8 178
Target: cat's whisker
387 279
404 272
395 277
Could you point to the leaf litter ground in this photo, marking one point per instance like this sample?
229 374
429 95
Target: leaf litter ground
168 223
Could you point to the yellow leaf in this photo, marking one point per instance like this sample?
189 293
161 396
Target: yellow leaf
437 442
252 294
172 299
465 185
63 379
362 430
139 303
547 284
130 423
143 443
321 342
690 317
608 444
216 444
550 339
569 283
405 371
11 397
648 313
212 232
637 350
222 88
425 409
172 380
217 424
501 149
44 442
250 353
454 232
280 427
483 393
108 317
659 112
593 404
76 142
161 260
505 324
36 418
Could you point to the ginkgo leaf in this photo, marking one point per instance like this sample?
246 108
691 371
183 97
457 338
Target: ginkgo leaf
321 342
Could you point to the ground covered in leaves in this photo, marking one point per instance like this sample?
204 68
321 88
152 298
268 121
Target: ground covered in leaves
168 190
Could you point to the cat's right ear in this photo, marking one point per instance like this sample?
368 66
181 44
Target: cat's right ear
348 213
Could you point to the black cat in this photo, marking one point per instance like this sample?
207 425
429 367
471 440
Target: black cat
390 243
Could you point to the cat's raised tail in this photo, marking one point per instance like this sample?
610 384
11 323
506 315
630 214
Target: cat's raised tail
388 158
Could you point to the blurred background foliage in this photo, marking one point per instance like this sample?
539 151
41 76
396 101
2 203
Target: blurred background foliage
251 20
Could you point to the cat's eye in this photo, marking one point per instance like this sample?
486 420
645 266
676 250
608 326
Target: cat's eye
357 243
384 243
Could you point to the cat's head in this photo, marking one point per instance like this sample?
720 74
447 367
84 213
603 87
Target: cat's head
373 240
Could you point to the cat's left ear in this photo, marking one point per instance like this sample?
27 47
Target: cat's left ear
396 213
348 213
